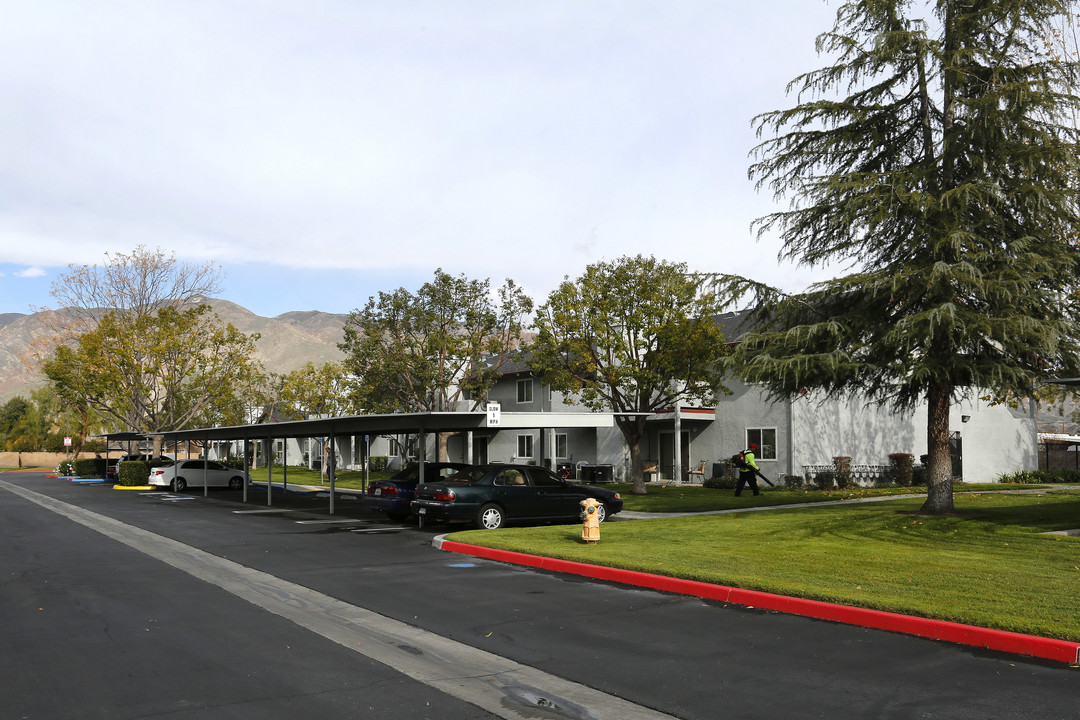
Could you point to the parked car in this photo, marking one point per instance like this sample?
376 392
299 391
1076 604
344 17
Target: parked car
492 495
394 495
190 473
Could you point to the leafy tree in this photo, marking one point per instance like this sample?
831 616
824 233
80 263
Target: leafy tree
634 335
157 372
946 178
431 350
20 426
11 414
322 390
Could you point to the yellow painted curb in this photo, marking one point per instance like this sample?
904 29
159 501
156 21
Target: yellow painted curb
133 487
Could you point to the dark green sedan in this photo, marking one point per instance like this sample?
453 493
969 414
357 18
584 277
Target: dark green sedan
493 495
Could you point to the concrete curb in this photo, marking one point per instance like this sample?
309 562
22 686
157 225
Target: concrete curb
1061 651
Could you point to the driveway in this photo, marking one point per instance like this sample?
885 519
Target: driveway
127 604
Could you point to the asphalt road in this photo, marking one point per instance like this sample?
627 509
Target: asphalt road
121 604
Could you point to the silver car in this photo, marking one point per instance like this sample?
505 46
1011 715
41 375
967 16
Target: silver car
197 473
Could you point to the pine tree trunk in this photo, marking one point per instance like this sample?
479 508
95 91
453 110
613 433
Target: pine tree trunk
939 496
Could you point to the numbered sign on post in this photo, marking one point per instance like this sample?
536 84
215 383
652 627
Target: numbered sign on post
494 414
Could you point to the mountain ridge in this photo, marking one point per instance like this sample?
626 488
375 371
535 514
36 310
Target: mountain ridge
286 342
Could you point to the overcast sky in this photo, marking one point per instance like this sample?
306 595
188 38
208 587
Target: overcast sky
322 151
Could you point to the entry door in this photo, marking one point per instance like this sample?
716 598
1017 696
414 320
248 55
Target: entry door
480 451
667 454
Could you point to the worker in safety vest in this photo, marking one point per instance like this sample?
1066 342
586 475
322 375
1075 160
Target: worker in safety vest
749 471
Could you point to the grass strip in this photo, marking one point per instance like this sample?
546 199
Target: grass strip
988 565
343 479
691 498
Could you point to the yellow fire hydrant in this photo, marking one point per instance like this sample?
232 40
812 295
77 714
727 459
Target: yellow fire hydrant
590 515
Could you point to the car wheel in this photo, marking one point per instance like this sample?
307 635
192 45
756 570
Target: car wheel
236 483
397 515
179 484
601 512
490 517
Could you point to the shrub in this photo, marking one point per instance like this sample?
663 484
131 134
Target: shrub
793 482
1040 477
378 463
721 482
66 468
843 471
133 472
901 470
89 468
825 480
919 476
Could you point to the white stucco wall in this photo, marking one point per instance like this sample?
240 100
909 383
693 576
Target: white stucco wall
996 439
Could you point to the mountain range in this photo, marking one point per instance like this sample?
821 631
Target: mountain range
286 342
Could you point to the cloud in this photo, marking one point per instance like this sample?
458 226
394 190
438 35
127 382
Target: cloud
30 272
511 139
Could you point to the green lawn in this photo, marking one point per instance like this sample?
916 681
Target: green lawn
989 565
343 479
694 498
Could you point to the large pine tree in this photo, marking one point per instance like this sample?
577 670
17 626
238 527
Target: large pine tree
937 158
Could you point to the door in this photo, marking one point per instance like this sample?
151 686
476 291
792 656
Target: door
480 451
667 454
555 497
516 494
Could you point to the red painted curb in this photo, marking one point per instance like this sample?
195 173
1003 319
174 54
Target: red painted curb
1003 641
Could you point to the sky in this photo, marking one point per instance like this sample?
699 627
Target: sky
323 151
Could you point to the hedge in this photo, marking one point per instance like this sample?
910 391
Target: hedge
133 472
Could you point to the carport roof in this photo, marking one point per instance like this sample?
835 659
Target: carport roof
382 424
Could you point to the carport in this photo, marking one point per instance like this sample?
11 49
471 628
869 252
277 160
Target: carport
421 424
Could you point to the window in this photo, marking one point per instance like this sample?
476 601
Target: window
560 446
525 446
525 390
510 477
765 439
542 477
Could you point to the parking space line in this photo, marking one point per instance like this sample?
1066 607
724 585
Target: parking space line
262 512
329 522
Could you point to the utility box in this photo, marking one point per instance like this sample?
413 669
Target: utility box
597 473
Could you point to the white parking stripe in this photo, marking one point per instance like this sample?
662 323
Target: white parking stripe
261 512
496 684
328 522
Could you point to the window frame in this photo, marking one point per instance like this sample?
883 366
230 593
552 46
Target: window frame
562 441
525 384
529 446
758 435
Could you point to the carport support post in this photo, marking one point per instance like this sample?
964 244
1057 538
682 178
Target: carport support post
330 471
285 464
423 454
551 449
205 465
243 451
269 472
678 443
